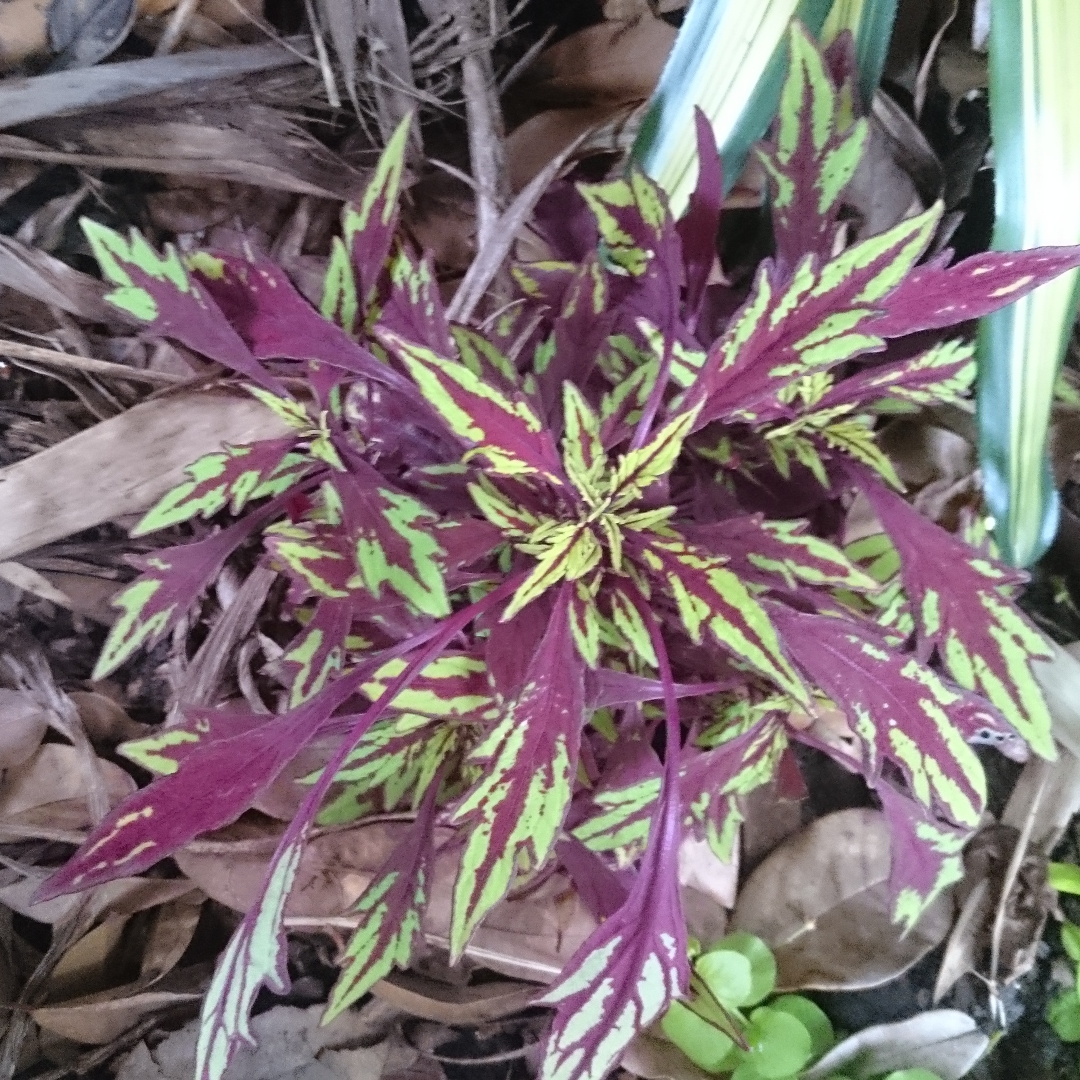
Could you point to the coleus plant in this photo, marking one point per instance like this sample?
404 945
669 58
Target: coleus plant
570 582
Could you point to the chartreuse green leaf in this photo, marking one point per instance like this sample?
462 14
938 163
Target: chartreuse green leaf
779 1045
817 1024
1035 118
1070 940
729 61
703 1043
870 23
1065 877
1063 1015
714 964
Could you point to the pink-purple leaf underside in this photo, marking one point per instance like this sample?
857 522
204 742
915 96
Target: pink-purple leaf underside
602 890
935 295
277 323
608 688
699 227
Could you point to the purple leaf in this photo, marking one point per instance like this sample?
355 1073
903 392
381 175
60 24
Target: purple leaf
699 226
602 890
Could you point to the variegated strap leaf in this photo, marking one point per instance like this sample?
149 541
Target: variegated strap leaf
513 815
390 909
764 550
395 541
158 291
815 153
256 956
710 597
277 322
628 971
232 477
898 709
632 217
941 374
806 322
170 581
502 428
960 601
388 770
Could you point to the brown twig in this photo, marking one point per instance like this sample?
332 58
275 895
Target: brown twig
17 350
484 116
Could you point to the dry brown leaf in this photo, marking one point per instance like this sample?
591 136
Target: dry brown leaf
89 966
122 465
172 926
290 1045
609 63
443 1004
23 723
106 724
24 100
821 902
98 1019
944 1041
245 144
55 774
657 1059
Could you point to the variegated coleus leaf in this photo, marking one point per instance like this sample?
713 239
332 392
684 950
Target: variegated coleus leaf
390 909
265 308
317 653
171 580
941 374
512 817
633 221
709 597
412 306
164 751
960 601
801 324
762 551
817 147
504 429
158 291
453 686
316 555
395 541
211 786
900 712
231 477
258 945
634 965
256 956
712 781
358 257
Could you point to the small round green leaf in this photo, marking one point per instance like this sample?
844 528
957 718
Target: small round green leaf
728 975
779 1044
819 1026
1063 1015
702 1043
762 963
1063 876
1070 940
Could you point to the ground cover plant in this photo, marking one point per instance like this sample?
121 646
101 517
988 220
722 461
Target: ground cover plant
570 581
